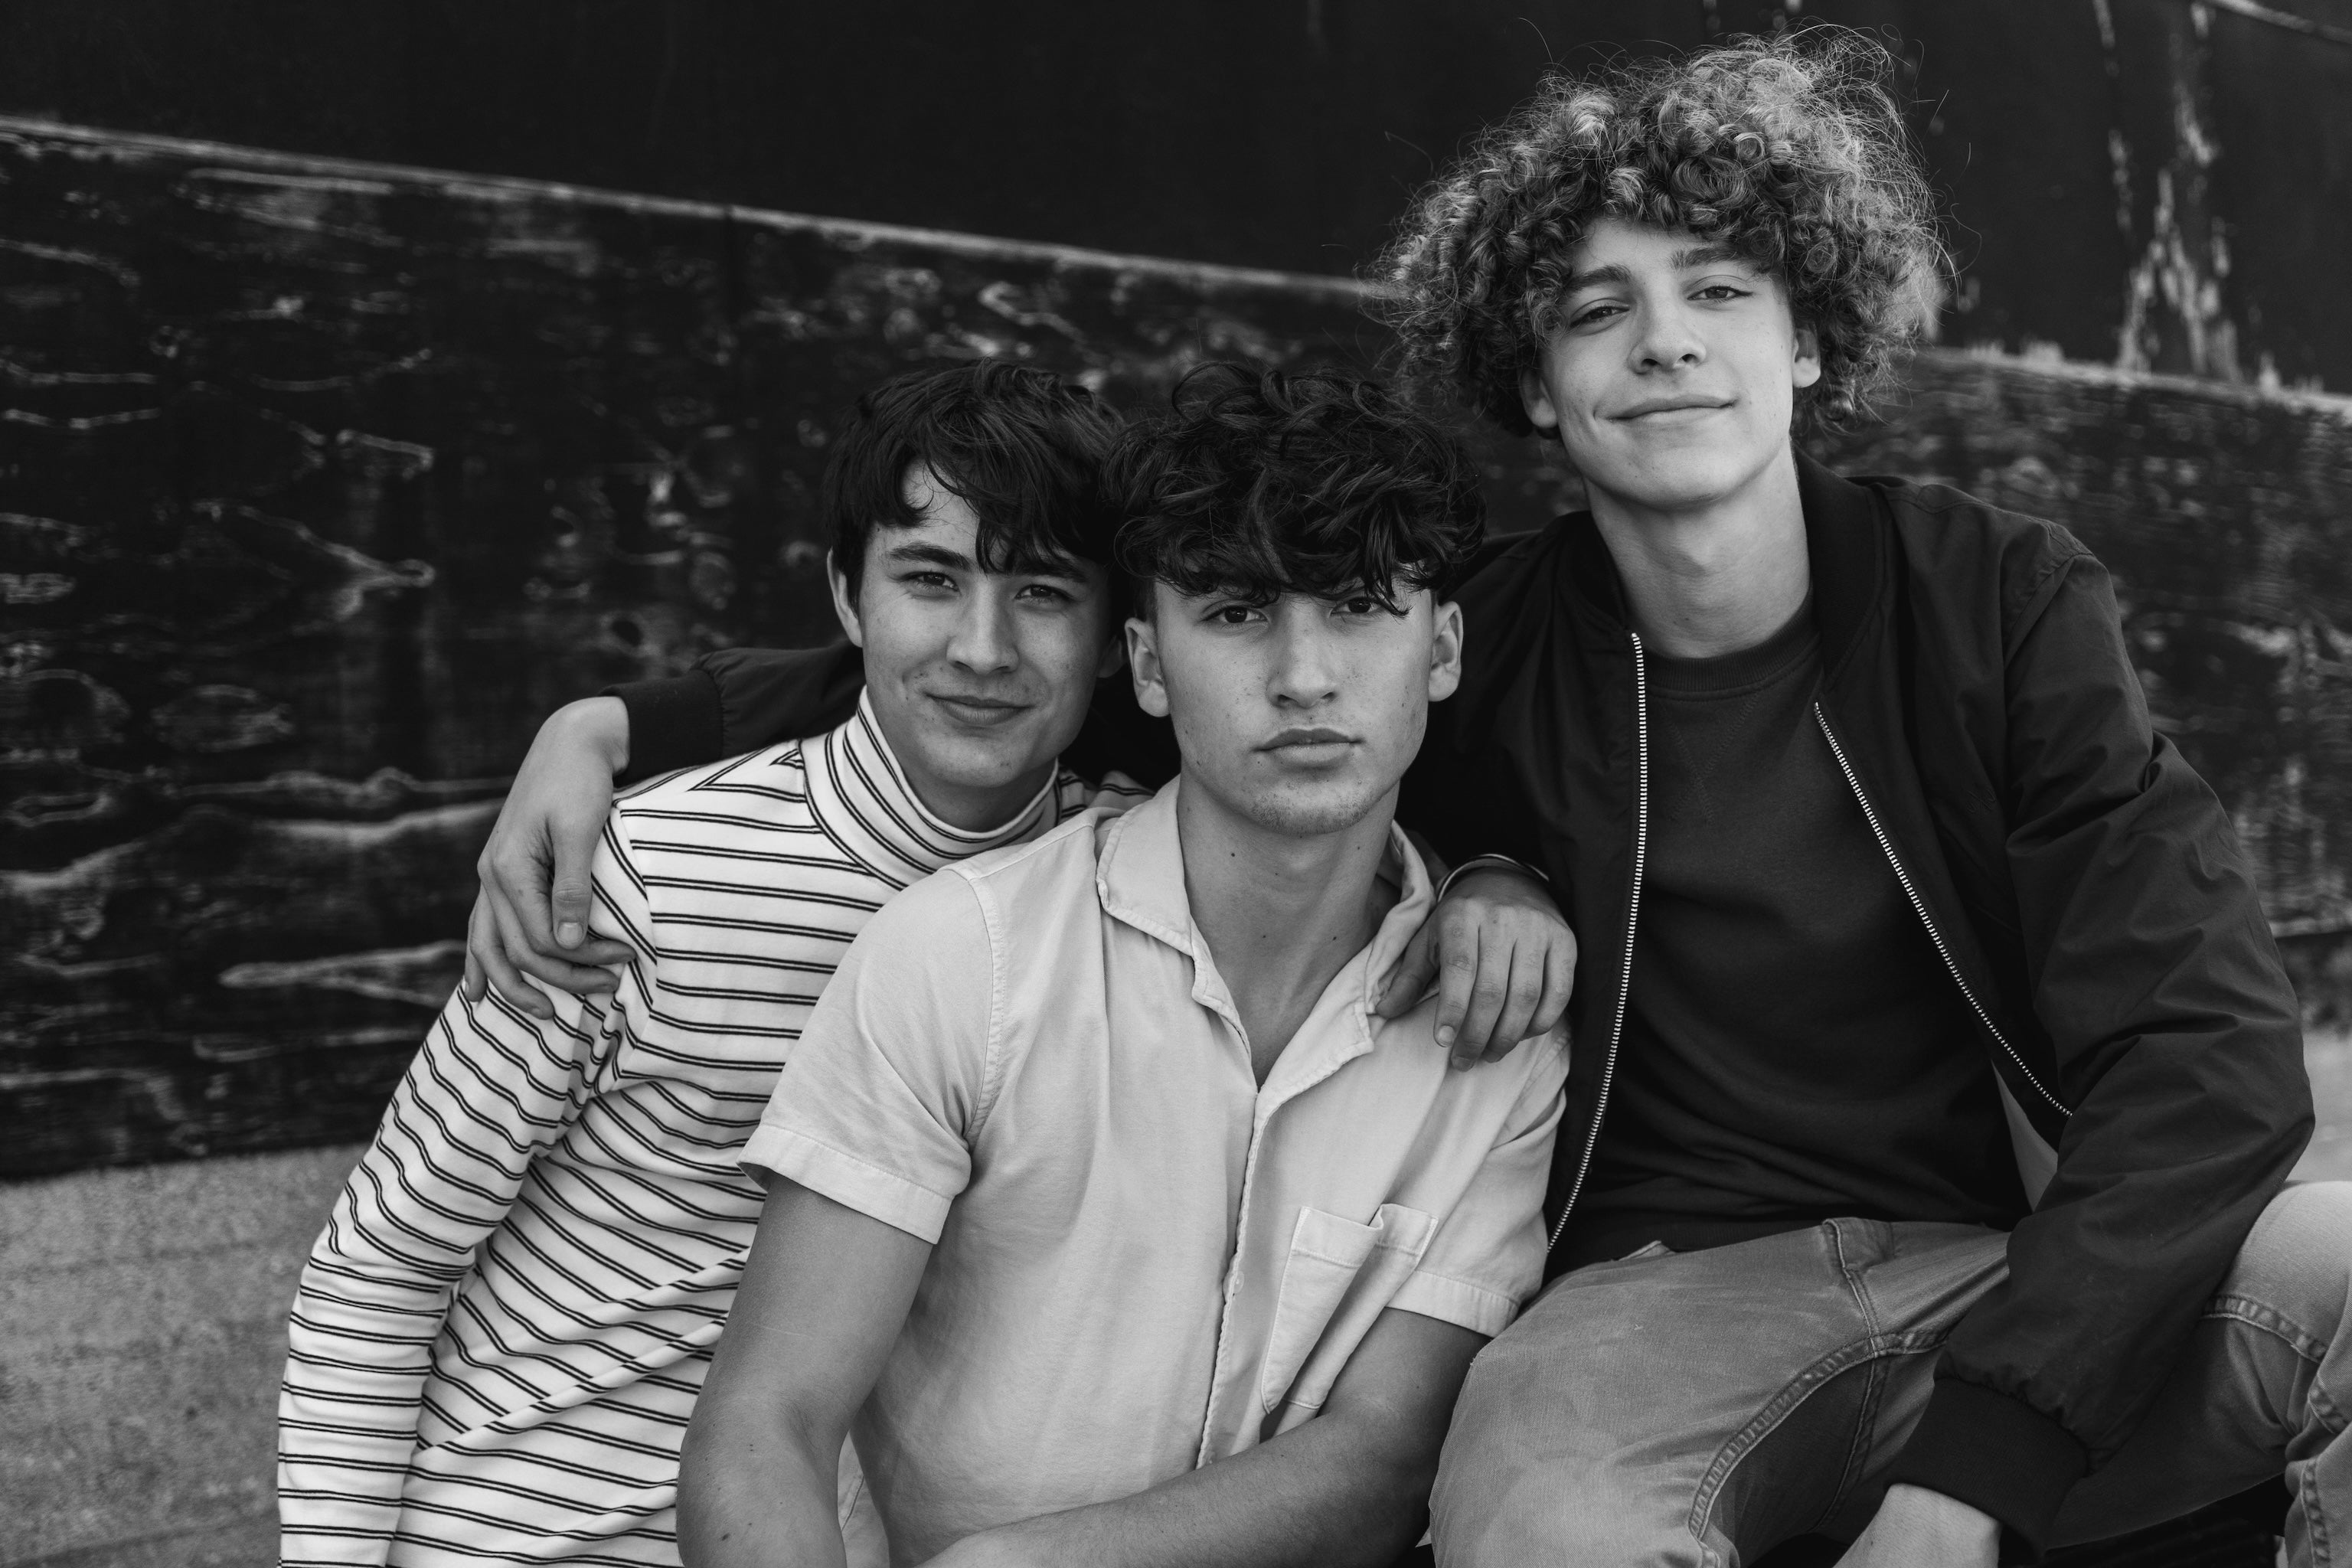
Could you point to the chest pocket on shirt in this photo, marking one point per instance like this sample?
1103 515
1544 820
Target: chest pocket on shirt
1340 1276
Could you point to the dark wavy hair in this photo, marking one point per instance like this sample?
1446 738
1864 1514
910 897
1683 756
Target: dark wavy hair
1788 149
1023 448
1257 483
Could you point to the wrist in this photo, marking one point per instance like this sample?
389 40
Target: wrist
600 725
1490 865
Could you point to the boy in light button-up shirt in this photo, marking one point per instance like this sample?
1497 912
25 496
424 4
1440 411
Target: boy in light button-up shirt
1100 1196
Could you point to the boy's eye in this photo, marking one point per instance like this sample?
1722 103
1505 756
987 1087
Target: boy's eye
1595 313
1233 615
1723 291
1045 593
1361 604
928 579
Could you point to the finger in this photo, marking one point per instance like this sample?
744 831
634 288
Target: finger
509 983
1559 982
1457 973
575 853
552 971
520 881
1521 994
1487 992
499 956
574 971
478 932
1413 973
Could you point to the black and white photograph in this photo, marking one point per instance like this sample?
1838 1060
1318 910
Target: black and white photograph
1359 783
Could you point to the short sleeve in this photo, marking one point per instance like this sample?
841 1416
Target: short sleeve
1487 1258
877 1102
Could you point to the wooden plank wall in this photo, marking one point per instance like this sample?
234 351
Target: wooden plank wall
320 483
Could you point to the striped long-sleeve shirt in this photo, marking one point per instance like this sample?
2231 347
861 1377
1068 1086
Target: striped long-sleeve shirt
501 1333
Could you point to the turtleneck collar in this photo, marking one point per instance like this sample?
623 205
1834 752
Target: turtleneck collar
862 800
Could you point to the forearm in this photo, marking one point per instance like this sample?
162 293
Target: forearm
358 1348
484 1093
755 1494
1331 1491
596 728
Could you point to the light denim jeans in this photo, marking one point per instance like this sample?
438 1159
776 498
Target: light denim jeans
1700 1408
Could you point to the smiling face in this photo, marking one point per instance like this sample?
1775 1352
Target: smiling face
978 679
1299 716
1672 377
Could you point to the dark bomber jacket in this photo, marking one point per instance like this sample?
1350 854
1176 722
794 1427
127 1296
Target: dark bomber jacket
2084 886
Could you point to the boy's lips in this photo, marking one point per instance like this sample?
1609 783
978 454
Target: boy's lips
978 710
1309 742
1678 404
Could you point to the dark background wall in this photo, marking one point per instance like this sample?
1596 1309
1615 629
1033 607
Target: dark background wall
322 480
2147 183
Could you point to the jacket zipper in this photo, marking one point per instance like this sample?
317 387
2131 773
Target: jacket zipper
1632 919
1919 908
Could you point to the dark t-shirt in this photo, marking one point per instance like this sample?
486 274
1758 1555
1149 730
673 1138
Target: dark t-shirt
1793 1048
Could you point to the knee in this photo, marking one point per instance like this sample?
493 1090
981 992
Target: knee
1533 1471
2297 1260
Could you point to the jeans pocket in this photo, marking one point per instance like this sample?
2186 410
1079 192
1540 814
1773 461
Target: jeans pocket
1340 1276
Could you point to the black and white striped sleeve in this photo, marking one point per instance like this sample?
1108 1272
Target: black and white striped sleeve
490 1090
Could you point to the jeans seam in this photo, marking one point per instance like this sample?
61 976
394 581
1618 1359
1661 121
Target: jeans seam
2269 1320
1853 1277
1857 1458
1795 1391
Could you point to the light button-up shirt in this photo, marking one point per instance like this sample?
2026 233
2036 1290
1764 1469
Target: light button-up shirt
1143 1261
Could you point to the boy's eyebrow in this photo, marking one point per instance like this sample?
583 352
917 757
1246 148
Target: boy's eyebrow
1681 261
934 555
1061 569
1704 256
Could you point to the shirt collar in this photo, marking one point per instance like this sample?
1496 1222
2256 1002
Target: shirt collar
862 800
1140 877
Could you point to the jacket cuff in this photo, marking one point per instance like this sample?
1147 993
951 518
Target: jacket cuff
672 723
1997 1455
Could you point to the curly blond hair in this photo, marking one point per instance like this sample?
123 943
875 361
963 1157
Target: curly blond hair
1788 149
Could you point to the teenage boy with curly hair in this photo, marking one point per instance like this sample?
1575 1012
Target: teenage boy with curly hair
1102 1202
1936 1076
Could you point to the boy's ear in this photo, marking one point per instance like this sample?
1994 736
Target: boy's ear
1537 400
844 606
1143 664
1807 367
1444 650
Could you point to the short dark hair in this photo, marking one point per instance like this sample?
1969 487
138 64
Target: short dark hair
1024 449
1789 149
1257 483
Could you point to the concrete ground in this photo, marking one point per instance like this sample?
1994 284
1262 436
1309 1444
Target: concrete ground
142 1332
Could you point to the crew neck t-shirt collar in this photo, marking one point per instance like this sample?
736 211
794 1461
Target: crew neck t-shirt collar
1749 669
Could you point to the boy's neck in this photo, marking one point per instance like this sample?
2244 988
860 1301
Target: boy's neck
979 810
1282 913
1716 579
967 808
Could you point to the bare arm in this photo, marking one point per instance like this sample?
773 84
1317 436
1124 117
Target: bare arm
1349 1486
824 1294
531 914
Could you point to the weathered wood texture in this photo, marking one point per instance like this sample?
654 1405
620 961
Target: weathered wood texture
320 484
